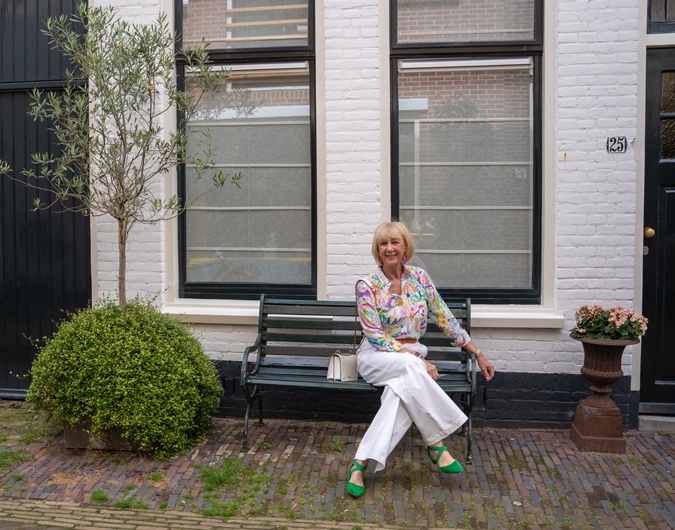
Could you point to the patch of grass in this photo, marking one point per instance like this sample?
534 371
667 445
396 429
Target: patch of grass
155 477
337 445
99 496
9 458
242 481
35 433
262 445
164 505
131 503
227 472
19 477
221 509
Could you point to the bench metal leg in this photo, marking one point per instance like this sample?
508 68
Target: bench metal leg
469 449
251 397
468 401
244 444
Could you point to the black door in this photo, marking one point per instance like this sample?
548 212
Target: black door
44 257
657 374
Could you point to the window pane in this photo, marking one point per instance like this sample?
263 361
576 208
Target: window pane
668 92
259 125
246 23
662 11
668 139
465 170
465 21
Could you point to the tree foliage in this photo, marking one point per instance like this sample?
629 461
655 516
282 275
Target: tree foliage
108 122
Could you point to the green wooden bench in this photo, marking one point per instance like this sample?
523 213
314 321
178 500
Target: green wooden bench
296 338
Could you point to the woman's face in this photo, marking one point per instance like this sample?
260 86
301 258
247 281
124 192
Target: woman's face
391 251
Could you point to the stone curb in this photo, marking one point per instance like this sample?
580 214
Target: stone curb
25 515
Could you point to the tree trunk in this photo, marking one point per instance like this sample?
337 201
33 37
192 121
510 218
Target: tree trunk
122 253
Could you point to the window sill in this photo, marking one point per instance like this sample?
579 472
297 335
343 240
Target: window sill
245 313
515 317
239 312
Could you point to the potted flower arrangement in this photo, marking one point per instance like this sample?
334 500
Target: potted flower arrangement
604 334
615 323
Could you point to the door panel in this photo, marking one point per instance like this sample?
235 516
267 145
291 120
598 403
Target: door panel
657 374
44 256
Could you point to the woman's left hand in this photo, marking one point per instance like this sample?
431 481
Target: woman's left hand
485 367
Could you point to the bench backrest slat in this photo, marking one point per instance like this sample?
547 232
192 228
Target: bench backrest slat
311 328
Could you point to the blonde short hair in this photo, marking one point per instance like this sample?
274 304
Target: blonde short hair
392 229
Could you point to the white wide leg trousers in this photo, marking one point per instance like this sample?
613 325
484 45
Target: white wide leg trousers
410 396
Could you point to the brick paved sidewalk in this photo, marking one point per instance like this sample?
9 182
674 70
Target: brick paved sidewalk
294 477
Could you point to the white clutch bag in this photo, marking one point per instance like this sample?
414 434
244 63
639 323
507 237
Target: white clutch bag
342 367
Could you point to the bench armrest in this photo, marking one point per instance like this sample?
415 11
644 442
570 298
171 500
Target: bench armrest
471 367
244 361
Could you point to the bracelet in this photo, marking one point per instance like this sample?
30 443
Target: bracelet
478 352
416 354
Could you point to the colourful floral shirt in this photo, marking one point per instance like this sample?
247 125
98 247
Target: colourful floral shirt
387 316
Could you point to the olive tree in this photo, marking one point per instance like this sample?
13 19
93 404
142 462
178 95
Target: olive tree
108 121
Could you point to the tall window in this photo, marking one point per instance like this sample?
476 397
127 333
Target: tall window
466 143
238 243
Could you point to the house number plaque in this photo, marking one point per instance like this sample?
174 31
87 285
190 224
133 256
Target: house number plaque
617 144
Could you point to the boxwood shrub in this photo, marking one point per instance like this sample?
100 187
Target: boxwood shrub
128 367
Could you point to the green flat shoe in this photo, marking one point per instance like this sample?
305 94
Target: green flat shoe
455 467
354 489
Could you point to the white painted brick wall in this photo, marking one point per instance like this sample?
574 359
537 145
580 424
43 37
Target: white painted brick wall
145 252
595 193
595 97
353 139
596 66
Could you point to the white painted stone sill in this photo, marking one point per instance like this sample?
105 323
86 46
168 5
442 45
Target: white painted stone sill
245 313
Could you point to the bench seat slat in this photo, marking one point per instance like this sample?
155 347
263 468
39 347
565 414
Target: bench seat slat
448 384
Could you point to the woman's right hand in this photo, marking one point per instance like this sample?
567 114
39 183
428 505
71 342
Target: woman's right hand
431 370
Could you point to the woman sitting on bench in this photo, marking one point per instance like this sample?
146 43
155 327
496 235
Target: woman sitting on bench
393 303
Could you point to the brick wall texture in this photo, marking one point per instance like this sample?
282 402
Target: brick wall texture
595 60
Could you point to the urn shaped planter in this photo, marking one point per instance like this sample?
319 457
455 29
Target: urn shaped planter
597 420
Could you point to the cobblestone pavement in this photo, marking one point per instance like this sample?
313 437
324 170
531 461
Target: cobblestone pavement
294 477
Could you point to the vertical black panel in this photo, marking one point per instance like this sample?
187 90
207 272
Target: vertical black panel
44 256
657 370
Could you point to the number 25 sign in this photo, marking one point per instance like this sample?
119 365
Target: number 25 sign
617 144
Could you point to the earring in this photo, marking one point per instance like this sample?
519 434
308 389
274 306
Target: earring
405 258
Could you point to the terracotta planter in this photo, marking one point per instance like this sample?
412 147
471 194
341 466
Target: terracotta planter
597 420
